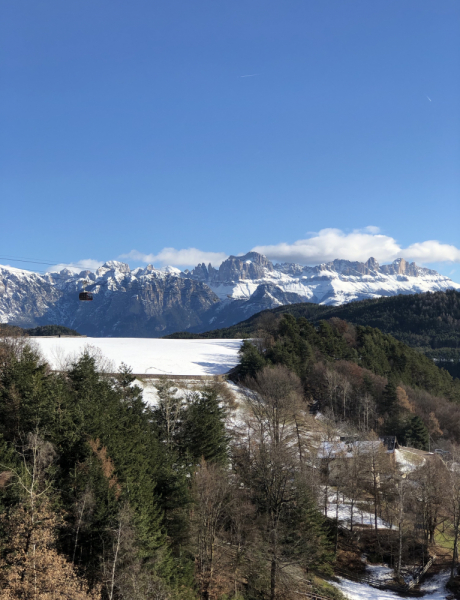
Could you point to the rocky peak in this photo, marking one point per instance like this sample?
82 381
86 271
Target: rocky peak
249 266
347 267
67 274
400 267
372 264
115 266
289 268
200 272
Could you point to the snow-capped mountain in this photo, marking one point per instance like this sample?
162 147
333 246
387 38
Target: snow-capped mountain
149 302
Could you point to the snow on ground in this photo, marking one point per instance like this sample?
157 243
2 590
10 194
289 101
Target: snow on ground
381 572
433 589
408 461
148 355
360 517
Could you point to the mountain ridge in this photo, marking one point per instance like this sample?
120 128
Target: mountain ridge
151 302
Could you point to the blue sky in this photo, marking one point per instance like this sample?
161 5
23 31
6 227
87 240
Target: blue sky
187 131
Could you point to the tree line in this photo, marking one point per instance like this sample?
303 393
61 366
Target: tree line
103 496
429 322
213 495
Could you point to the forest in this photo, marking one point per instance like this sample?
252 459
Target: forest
234 490
429 322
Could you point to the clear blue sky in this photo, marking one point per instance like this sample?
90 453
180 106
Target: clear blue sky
229 125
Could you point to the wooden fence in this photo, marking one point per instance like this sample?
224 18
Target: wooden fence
421 573
166 376
387 583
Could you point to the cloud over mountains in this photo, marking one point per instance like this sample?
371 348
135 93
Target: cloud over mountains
178 258
328 244
320 247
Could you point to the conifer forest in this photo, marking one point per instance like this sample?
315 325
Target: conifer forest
329 443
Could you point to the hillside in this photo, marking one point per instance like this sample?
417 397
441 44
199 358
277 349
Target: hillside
429 322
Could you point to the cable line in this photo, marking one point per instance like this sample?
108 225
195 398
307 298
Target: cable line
42 262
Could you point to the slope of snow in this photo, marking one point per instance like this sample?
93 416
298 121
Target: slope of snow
330 287
343 512
433 589
148 355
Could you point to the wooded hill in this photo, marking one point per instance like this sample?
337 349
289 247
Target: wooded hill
339 363
103 497
429 322
42 330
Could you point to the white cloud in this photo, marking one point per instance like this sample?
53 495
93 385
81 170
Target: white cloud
181 258
323 246
369 229
328 244
431 251
81 265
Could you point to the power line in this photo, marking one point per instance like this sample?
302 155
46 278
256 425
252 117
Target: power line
43 262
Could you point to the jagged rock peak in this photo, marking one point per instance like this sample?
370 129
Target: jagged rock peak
115 266
347 267
249 266
402 267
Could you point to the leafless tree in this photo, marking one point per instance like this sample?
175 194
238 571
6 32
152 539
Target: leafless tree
211 491
169 408
453 502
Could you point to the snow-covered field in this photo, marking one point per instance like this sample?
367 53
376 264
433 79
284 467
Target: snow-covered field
148 355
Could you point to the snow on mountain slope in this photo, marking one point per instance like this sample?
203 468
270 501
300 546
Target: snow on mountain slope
149 302
332 283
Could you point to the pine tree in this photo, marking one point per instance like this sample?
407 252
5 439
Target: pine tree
304 537
416 434
204 433
251 360
389 403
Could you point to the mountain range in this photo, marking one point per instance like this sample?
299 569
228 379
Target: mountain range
150 302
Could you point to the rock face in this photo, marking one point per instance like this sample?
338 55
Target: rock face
236 268
153 302
140 303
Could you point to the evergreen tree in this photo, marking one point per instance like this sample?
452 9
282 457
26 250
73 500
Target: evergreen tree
304 536
389 404
204 433
416 434
251 360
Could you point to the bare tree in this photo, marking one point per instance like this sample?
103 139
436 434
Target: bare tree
377 472
428 499
367 409
275 399
211 490
269 462
453 502
83 508
345 391
332 383
169 409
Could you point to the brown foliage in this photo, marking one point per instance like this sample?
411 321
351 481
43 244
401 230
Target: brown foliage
32 568
403 400
108 467
5 478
